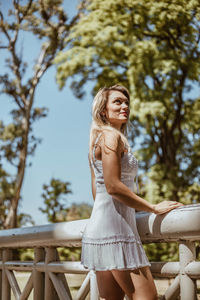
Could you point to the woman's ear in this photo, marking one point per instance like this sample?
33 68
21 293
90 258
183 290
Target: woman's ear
103 113
103 116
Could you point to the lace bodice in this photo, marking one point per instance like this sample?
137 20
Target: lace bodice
129 169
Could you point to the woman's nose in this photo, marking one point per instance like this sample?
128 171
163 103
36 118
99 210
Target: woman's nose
125 106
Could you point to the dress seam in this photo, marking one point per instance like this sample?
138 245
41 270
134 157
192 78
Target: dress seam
111 242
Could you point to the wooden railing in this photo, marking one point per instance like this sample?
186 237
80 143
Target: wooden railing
48 276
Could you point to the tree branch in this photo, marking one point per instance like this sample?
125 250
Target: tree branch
3 27
16 6
28 7
19 104
3 47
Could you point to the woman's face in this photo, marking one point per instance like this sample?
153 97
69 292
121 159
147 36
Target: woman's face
117 109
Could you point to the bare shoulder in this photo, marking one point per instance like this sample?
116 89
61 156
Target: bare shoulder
111 141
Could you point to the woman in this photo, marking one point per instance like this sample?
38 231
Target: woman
111 245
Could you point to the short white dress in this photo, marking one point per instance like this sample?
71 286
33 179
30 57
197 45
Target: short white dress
110 239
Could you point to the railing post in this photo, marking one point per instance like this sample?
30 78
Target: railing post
94 292
0 275
7 255
50 293
38 277
187 285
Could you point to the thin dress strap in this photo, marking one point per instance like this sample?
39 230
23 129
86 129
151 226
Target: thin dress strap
94 148
137 185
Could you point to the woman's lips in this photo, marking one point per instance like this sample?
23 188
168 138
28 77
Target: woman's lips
124 113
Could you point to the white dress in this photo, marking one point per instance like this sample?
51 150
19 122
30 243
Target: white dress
110 239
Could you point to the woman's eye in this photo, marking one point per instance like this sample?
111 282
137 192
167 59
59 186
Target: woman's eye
117 101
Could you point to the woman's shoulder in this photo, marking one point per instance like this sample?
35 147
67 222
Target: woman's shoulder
112 139
110 133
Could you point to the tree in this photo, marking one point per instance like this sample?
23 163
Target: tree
78 211
24 220
55 203
56 207
58 210
152 47
49 24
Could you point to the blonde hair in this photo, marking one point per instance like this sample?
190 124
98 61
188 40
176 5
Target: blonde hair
99 121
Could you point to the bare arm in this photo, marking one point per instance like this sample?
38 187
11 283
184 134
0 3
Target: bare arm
111 161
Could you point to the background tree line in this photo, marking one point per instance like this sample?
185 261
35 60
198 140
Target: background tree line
150 47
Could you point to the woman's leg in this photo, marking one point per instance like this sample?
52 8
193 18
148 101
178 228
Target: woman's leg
108 287
137 284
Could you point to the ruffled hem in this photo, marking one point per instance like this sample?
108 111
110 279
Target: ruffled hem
116 268
120 255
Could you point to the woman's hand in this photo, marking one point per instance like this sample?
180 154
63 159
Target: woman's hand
165 206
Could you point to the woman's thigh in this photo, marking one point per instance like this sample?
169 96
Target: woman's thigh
108 287
137 284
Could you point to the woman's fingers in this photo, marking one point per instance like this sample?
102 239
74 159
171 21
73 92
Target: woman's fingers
167 206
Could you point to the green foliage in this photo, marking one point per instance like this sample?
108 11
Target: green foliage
24 220
6 193
78 211
55 203
162 251
25 254
69 254
166 251
56 206
152 47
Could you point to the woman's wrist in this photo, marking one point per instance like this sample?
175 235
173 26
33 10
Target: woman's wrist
153 208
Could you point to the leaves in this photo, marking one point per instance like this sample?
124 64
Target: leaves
153 49
54 201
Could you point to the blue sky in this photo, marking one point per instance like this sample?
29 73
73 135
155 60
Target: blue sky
63 152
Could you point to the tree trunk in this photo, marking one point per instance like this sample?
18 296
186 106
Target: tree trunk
11 218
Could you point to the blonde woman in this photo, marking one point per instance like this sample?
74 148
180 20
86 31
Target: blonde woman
111 245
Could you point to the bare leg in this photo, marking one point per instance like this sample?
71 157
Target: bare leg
137 284
108 287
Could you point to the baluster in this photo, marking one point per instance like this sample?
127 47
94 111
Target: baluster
38 277
94 293
1 274
50 293
187 254
6 295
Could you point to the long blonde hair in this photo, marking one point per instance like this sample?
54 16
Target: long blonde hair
99 121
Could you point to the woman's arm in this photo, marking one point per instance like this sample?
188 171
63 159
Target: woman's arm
111 162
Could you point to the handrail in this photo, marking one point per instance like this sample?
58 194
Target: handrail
181 225
173 226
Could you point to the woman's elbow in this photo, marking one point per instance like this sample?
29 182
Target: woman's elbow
111 188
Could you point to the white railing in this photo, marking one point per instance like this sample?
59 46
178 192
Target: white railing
47 279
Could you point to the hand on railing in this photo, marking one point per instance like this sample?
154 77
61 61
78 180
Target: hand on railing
165 206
